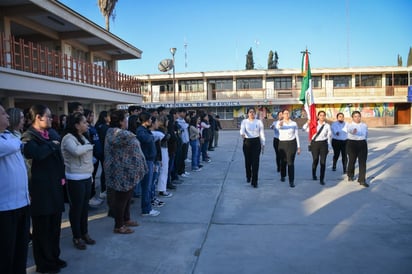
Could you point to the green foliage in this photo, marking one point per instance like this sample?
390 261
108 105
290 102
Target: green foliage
273 60
399 61
409 57
270 60
250 64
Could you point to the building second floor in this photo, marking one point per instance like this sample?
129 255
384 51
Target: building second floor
282 86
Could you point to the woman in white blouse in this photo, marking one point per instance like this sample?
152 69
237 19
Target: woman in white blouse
357 148
321 142
252 132
288 146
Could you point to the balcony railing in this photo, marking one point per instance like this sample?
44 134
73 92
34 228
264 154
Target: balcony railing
37 59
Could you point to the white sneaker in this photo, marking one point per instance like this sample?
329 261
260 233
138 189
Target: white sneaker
95 202
187 173
103 195
152 213
184 175
165 194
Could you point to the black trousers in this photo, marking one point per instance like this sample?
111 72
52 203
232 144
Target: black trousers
121 207
319 151
357 150
46 240
277 155
287 153
102 178
339 148
14 239
79 195
251 151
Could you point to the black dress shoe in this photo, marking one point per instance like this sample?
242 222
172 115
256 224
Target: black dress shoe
79 244
291 184
49 270
61 263
171 186
282 179
247 180
86 238
364 184
314 178
322 182
351 178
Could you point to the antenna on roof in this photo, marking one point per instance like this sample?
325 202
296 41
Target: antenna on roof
185 45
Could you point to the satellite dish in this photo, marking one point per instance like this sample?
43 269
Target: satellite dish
165 65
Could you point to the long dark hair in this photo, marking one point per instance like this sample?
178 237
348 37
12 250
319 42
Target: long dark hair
133 123
101 120
116 117
193 121
72 120
37 110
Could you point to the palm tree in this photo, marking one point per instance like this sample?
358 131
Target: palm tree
107 9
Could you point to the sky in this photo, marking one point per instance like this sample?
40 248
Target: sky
219 33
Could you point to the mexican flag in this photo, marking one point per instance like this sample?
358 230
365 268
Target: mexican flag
306 95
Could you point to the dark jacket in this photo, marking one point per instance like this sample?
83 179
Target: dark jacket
47 172
146 138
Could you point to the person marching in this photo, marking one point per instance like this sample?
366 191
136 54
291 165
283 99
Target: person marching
276 139
252 132
339 137
320 146
288 146
357 148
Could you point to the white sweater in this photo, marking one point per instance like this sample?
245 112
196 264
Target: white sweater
78 158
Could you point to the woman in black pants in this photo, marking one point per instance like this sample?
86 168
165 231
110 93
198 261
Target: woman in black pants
78 159
252 132
288 146
357 148
46 189
321 142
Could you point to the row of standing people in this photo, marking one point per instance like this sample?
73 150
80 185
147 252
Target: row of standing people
346 139
67 164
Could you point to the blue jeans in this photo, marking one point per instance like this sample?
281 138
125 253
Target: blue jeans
145 185
195 145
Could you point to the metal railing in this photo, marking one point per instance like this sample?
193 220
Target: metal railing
32 57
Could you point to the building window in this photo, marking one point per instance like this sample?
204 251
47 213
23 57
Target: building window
341 81
396 79
224 113
191 86
368 80
316 82
166 86
221 84
249 83
283 82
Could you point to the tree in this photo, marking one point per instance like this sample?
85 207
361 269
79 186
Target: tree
270 60
399 61
276 61
250 64
107 9
273 60
409 57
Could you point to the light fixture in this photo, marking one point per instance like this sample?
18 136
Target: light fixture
173 51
